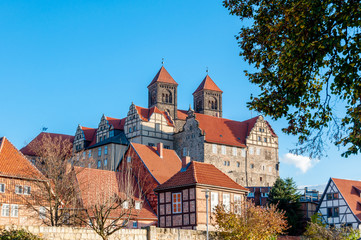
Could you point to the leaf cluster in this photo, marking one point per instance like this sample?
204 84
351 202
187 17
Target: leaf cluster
307 59
254 222
17 234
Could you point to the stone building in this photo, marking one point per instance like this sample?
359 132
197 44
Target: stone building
182 202
19 179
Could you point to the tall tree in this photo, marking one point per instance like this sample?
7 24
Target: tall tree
307 59
284 195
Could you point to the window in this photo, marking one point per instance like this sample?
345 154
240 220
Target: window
27 190
5 210
99 152
225 163
333 212
100 139
264 194
125 204
137 205
129 159
223 150
252 165
228 163
134 128
105 162
265 140
234 151
18 189
250 194
258 151
99 164
84 154
243 153
42 212
135 224
237 203
89 154
130 129
151 144
238 164
2 187
166 147
177 203
260 179
184 151
106 150
14 210
251 150
214 200
226 202
335 196
259 138
111 134
277 167
269 169
157 127
214 148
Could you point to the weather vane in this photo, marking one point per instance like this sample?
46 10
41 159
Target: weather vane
162 61
207 70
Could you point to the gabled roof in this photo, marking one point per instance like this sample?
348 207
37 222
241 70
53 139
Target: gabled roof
222 130
163 76
88 133
208 84
116 123
27 149
160 168
95 184
349 191
146 113
14 164
200 173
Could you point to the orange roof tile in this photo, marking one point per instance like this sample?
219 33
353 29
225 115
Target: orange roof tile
146 113
163 76
182 114
95 185
348 189
27 150
14 164
200 173
160 168
88 133
208 84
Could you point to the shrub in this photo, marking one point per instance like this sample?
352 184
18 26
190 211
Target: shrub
17 234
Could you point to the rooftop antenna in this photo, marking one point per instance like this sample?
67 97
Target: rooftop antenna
162 61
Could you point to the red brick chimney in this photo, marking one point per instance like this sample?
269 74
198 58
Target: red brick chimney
185 161
160 149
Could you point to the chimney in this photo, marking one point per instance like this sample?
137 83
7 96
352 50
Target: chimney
160 149
185 161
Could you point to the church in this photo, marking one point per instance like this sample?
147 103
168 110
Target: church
246 151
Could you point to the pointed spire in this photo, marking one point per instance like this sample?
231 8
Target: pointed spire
208 84
163 76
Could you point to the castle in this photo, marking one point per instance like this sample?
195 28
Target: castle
246 151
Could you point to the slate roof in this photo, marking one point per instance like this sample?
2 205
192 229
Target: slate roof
200 173
27 149
14 164
160 168
208 84
163 76
350 190
120 138
95 184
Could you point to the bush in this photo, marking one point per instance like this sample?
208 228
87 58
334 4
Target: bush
17 234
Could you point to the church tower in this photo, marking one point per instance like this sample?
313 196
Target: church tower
207 99
162 93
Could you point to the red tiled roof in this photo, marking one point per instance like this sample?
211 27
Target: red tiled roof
222 130
350 194
208 84
163 76
146 113
96 185
201 173
116 123
160 168
88 133
14 164
27 149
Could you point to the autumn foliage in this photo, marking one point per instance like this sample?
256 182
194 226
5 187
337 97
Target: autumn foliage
254 222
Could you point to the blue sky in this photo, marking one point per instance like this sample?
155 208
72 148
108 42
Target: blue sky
64 63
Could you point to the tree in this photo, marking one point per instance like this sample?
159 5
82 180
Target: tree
284 195
108 200
316 230
307 59
52 199
253 222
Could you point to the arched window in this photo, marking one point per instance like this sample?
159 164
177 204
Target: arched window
170 97
163 98
153 98
166 98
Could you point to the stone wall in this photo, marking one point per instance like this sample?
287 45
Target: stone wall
150 233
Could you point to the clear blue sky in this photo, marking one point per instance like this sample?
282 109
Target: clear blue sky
64 63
